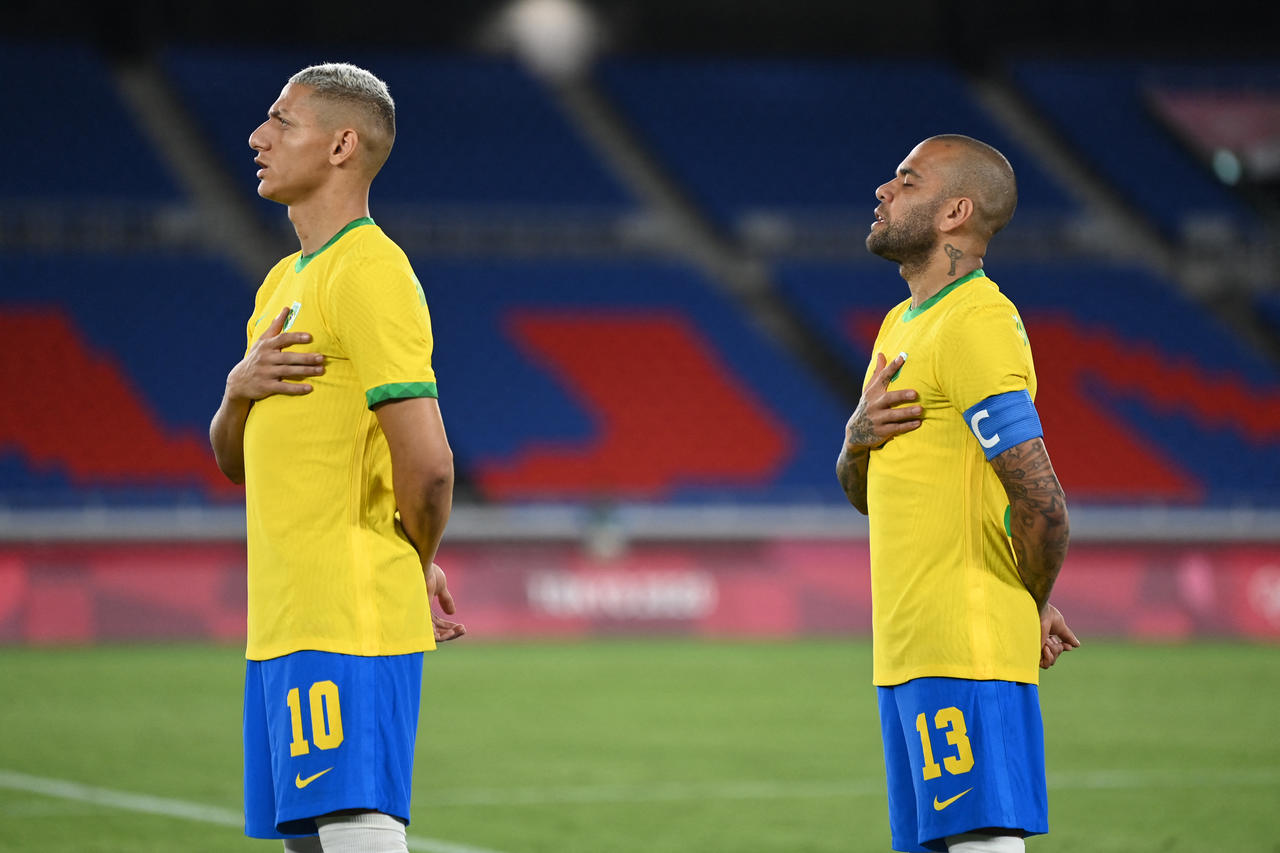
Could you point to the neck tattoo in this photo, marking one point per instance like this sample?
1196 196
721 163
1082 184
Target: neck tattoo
954 254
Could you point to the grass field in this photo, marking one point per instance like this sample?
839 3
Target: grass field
660 746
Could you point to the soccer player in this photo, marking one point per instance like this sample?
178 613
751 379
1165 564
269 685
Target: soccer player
968 523
331 422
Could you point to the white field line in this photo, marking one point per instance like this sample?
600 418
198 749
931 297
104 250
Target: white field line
640 793
168 807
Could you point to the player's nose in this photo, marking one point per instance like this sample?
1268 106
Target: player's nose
257 140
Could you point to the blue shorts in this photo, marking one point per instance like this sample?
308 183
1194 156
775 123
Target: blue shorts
962 755
325 732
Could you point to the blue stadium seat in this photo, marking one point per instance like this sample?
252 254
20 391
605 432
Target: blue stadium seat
1100 107
118 361
80 143
538 361
1267 306
804 138
575 380
472 132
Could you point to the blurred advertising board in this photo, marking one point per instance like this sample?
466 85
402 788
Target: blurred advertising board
76 593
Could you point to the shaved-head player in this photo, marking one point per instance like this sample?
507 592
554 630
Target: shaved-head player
968 523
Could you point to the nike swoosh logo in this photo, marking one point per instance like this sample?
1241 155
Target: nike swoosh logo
302 783
939 806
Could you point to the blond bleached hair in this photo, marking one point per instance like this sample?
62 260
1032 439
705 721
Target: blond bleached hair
342 84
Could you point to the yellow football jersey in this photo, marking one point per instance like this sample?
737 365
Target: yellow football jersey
946 597
330 568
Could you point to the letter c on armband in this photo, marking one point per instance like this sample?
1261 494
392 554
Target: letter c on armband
1003 420
979 417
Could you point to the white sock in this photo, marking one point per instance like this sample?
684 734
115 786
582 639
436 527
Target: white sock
306 844
972 842
368 832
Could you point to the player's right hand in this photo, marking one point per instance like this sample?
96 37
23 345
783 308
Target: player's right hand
881 413
1056 637
264 369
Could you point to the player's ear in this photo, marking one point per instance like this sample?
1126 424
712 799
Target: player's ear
954 213
343 146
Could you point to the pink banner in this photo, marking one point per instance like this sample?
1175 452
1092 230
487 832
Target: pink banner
88 593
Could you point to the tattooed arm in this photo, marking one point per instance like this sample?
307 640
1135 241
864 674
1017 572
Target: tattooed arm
1038 519
878 418
851 471
1038 516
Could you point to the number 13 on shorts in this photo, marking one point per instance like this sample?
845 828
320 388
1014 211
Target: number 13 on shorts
949 721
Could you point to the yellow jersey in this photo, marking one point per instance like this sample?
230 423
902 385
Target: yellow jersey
947 600
329 566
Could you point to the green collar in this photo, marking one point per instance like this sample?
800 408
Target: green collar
303 260
912 313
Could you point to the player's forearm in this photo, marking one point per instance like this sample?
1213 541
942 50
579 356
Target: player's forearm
226 436
1039 523
1040 540
851 471
421 469
425 501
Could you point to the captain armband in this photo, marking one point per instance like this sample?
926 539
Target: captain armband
1003 420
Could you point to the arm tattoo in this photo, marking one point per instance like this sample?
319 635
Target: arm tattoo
851 466
1038 516
851 471
954 254
859 431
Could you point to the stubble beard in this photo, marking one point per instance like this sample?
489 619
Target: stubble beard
909 242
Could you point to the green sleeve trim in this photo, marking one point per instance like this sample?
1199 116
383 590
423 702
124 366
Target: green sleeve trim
399 391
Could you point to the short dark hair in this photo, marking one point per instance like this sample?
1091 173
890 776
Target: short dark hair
985 176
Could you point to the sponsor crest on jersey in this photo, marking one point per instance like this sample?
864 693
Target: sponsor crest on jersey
293 315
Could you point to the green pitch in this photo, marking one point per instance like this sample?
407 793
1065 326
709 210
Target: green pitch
653 746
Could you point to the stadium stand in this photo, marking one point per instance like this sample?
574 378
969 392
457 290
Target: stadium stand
644 380
1268 307
119 358
104 348
619 377
1103 108
89 150
615 379
472 132
571 380
804 139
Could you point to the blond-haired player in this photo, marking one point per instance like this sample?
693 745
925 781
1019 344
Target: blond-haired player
331 421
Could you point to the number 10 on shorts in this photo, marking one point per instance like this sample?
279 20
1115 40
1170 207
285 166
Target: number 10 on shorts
950 721
326 718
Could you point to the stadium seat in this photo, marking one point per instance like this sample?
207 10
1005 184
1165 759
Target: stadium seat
1103 109
616 377
87 148
804 139
598 380
471 132
119 361
606 379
